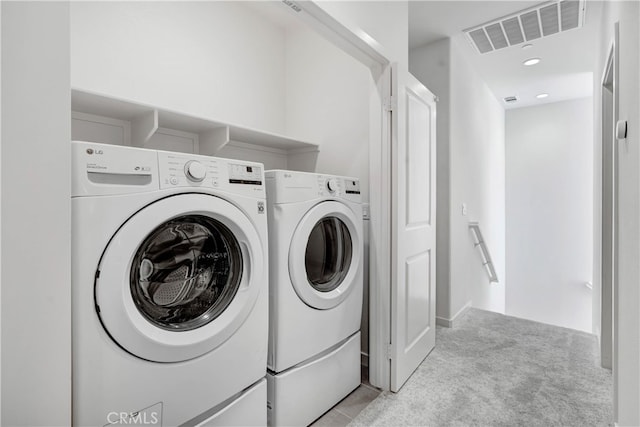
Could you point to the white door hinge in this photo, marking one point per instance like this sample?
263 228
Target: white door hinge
389 351
390 103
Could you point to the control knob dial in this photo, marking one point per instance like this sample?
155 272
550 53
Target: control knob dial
332 185
195 171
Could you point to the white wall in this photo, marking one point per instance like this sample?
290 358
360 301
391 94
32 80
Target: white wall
549 215
327 101
477 180
35 176
218 60
470 171
627 360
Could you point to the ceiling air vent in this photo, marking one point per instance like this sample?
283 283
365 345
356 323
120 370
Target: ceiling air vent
510 99
543 20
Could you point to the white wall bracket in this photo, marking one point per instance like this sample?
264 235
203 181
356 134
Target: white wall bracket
484 251
212 141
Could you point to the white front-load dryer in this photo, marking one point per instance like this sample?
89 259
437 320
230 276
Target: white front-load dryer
169 289
315 296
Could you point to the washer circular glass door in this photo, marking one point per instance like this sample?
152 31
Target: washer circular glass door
186 272
179 277
325 255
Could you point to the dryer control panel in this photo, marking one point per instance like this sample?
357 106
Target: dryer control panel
337 186
292 186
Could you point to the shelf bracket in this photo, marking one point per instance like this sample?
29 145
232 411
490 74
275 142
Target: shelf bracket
214 140
143 127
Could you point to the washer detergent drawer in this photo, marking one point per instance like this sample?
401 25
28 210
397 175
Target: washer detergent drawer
297 396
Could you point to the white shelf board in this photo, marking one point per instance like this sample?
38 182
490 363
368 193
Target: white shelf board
101 105
186 123
267 139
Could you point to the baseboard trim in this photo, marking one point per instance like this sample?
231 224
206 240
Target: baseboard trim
450 323
364 359
445 323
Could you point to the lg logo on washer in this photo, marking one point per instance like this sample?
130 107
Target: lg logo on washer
151 416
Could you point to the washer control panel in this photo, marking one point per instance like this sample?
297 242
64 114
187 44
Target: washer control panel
181 170
190 170
240 173
104 169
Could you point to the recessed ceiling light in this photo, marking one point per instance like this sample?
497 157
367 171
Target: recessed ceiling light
531 61
527 46
542 95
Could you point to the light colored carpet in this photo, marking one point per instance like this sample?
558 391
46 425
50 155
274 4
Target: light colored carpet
495 370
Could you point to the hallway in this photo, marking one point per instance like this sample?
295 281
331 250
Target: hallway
495 370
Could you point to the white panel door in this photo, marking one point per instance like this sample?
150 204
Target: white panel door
413 118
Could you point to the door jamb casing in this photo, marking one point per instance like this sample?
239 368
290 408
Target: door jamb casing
607 206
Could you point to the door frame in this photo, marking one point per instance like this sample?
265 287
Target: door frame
357 43
608 201
609 101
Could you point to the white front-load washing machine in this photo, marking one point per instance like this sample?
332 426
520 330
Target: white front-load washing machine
169 288
315 295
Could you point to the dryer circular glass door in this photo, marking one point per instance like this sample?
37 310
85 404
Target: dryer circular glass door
325 254
179 277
